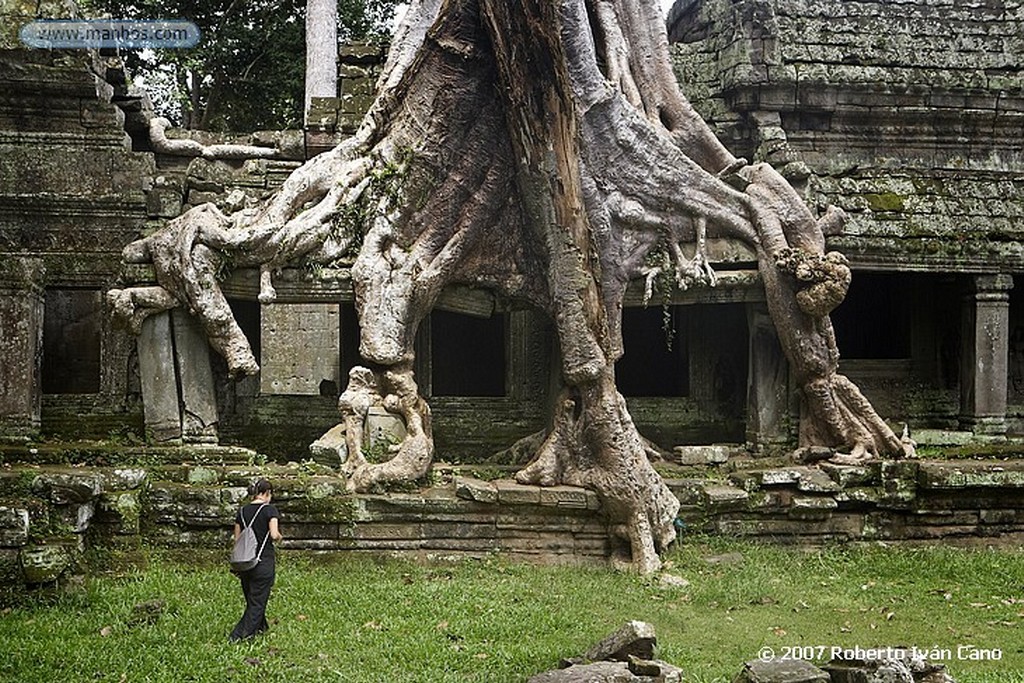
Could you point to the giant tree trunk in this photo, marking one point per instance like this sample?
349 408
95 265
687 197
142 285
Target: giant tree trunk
540 148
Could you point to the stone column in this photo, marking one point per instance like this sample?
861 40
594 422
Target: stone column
529 346
984 358
195 377
21 346
768 401
321 51
160 399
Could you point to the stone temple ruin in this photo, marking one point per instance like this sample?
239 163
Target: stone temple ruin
906 115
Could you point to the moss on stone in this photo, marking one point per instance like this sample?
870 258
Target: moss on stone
339 509
885 201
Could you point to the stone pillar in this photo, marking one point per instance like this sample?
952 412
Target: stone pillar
160 399
529 346
984 359
768 401
321 51
21 346
423 364
195 378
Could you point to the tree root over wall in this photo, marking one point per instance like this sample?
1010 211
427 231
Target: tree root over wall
542 149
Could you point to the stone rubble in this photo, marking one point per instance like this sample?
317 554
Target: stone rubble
624 656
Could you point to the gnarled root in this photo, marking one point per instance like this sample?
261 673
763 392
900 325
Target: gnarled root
802 285
824 279
594 444
840 415
416 452
133 305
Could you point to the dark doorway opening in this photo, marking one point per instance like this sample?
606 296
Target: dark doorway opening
467 354
873 321
71 341
656 358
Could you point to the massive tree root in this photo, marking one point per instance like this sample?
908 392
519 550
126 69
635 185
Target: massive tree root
540 148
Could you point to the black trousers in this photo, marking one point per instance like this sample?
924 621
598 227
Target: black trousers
256 585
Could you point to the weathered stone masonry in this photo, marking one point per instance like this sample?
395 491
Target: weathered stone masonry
907 115
71 193
918 144
51 515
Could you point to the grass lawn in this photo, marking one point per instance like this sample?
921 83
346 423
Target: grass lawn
356 619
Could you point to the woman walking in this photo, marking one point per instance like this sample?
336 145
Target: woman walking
257 582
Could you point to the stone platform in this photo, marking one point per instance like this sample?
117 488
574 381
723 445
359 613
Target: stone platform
61 520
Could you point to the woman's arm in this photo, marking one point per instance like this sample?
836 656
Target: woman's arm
274 532
238 531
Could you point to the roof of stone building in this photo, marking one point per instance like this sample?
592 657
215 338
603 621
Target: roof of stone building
908 114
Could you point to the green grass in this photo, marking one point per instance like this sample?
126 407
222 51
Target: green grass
356 619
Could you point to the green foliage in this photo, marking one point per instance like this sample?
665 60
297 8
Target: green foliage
125 435
381 450
352 619
383 194
248 71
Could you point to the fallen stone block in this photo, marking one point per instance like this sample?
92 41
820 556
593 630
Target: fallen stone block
713 454
634 639
812 508
68 487
781 671
886 665
607 672
14 523
330 449
45 563
124 479
481 491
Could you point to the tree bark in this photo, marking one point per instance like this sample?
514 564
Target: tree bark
542 149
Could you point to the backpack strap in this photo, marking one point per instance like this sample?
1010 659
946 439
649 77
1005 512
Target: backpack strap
259 555
253 520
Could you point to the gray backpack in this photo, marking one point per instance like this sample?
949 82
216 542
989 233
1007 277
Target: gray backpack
246 555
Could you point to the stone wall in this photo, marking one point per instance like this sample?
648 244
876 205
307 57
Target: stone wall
907 115
72 193
59 520
968 502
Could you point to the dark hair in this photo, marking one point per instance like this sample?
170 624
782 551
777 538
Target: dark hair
259 487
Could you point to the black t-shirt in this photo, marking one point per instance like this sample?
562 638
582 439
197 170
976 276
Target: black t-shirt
261 527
